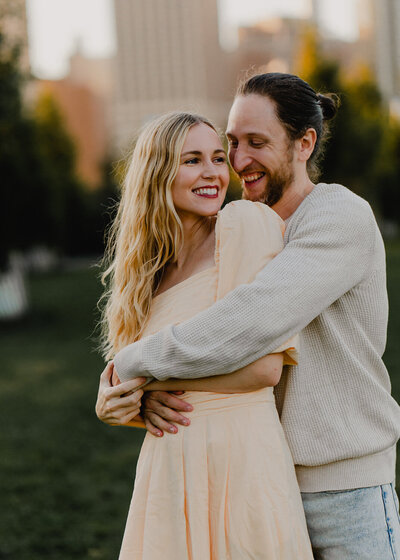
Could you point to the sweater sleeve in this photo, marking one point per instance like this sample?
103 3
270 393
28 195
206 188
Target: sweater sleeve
328 253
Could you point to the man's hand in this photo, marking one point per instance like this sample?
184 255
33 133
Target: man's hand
118 405
160 408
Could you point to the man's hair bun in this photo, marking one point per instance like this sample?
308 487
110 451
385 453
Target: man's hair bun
329 103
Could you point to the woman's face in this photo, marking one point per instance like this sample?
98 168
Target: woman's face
200 185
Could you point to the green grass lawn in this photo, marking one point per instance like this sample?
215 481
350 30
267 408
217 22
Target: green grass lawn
65 478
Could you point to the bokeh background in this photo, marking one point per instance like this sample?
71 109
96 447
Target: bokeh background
77 79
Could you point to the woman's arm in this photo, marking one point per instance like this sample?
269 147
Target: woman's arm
264 372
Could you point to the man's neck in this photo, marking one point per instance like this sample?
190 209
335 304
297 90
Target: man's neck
293 197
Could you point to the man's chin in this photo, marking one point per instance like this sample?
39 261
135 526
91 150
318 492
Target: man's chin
253 196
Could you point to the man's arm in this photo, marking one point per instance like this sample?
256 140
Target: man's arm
327 254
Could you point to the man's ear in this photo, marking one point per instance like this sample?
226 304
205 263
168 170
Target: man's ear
305 144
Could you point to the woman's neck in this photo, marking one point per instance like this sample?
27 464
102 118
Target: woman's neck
197 234
196 254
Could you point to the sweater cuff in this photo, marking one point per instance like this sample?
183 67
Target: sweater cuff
128 362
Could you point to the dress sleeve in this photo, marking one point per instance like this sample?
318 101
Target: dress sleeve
248 235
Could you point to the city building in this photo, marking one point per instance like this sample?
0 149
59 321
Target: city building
168 58
387 45
271 45
84 97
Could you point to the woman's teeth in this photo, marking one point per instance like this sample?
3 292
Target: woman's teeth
211 191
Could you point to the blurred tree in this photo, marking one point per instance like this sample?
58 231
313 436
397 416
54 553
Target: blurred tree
363 151
43 201
65 205
388 172
15 133
308 56
102 208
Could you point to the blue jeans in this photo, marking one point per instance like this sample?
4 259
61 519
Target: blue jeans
360 524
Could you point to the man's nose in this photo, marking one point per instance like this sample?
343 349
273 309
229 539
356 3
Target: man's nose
239 159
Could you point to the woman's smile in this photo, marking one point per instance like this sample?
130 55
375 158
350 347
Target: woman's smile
208 191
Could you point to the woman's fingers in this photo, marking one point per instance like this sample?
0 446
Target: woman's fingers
121 419
166 406
128 401
157 425
152 428
126 387
171 401
126 418
118 405
106 374
120 415
115 380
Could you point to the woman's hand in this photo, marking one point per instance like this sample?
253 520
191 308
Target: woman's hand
118 405
115 380
161 409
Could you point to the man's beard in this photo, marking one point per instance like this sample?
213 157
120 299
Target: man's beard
278 181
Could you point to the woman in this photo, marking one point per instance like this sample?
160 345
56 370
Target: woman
224 487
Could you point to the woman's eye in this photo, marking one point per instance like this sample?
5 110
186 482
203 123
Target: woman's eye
192 160
221 159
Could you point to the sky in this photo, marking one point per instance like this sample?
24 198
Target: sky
56 27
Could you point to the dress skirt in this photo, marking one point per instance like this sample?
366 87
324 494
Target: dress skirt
222 488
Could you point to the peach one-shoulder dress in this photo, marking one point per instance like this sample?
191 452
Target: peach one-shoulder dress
223 488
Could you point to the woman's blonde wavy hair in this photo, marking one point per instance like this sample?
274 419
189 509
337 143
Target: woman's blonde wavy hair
146 233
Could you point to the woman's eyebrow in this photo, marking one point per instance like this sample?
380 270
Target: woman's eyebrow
198 153
195 152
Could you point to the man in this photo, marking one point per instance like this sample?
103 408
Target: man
329 283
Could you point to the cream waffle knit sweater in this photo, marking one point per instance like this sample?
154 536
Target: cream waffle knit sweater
329 282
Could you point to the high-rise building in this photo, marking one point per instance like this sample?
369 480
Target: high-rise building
271 45
387 37
168 58
315 6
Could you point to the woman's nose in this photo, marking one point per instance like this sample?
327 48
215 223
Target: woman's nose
210 170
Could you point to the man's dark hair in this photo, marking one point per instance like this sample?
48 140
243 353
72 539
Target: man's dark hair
298 107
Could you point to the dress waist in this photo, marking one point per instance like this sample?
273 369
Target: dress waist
210 403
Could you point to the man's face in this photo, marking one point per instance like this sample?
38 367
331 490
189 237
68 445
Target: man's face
259 149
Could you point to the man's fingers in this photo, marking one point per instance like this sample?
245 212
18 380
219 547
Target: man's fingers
171 401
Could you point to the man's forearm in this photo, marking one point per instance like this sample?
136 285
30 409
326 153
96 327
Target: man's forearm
320 263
